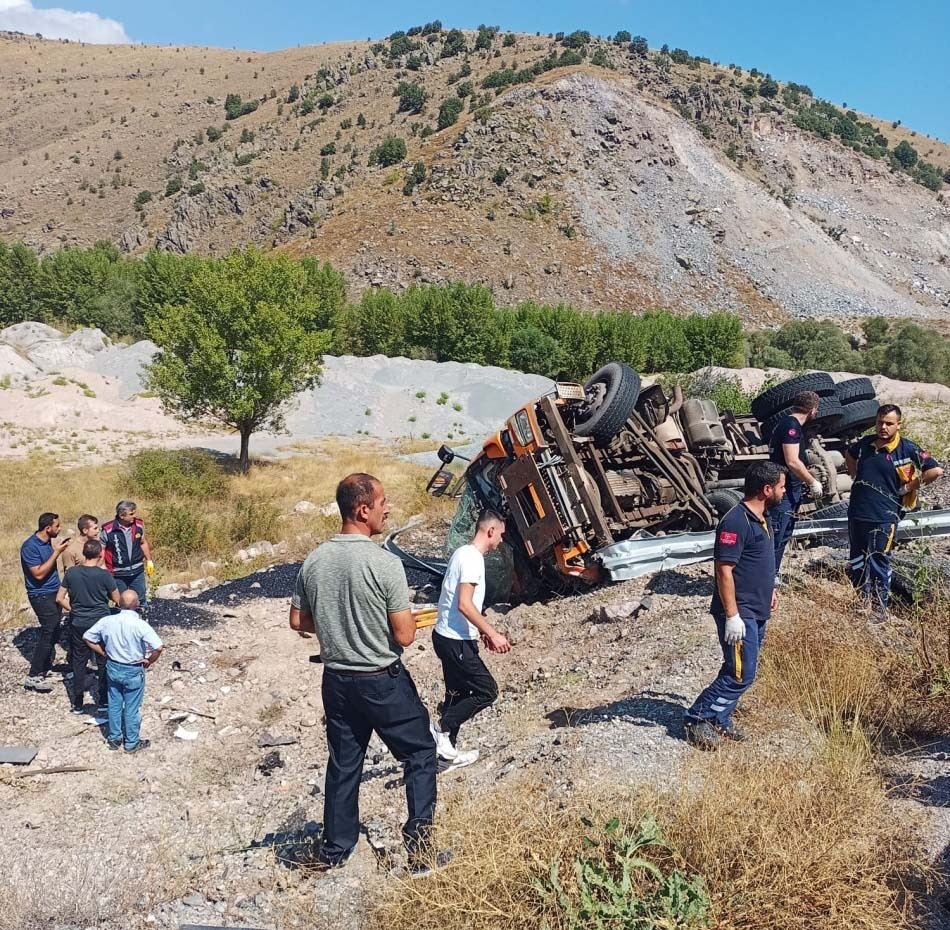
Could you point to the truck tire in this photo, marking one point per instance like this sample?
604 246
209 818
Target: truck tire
855 389
831 512
722 500
603 418
828 418
777 398
858 417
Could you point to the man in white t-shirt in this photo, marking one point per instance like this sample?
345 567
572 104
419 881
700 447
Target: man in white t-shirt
469 686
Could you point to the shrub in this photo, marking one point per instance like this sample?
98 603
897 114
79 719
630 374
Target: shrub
621 37
465 89
905 154
501 175
235 108
454 44
253 519
247 135
768 88
294 94
188 473
449 112
179 528
213 133
639 47
390 151
142 198
173 186
412 97
328 149
196 189
510 39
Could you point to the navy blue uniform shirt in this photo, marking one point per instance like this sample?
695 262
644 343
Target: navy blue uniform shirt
35 552
789 432
880 474
743 540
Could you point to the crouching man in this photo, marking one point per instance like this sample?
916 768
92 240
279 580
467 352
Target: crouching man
743 600
130 647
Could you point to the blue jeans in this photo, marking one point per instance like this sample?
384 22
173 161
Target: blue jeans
126 690
740 663
137 584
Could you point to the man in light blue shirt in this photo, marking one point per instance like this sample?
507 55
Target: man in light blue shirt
130 646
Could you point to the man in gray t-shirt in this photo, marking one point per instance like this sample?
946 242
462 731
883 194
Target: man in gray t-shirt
354 597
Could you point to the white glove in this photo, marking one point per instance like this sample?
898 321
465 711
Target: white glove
735 630
816 489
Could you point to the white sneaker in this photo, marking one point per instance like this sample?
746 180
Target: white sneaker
466 757
443 745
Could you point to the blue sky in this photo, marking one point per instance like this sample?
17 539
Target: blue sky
885 58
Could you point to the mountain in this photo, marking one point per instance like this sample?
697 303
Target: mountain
571 168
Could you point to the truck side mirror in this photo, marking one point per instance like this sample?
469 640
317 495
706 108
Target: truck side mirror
446 455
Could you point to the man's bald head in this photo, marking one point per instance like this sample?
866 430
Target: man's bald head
129 600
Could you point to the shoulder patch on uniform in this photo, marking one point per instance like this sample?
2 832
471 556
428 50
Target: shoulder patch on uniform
792 431
727 538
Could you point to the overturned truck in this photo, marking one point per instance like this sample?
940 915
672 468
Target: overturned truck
587 466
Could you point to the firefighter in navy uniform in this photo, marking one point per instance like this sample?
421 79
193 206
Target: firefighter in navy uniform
887 470
787 446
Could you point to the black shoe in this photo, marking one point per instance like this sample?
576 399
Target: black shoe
114 744
731 732
139 746
422 864
322 864
700 733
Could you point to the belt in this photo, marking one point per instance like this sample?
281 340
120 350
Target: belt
389 669
129 664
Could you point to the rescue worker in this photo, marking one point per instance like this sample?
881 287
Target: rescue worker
354 596
787 446
127 552
888 470
743 600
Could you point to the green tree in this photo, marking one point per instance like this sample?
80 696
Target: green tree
19 272
621 37
769 87
639 46
449 111
390 151
412 97
905 154
294 94
532 350
818 345
236 350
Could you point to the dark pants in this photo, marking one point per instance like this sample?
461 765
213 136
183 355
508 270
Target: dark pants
49 613
389 704
80 656
869 566
781 524
740 663
469 686
136 583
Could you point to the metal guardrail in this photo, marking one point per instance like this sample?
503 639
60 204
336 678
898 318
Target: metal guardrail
646 554
436 567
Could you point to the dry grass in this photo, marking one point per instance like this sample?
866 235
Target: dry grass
270 488
792 844
835 671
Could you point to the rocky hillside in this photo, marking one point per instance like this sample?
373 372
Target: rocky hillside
588 174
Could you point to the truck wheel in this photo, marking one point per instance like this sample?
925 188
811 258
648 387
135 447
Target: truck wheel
832 511
777 398
855 389
722 500
828 418
612 394
858 417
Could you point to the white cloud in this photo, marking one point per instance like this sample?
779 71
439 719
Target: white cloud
56 23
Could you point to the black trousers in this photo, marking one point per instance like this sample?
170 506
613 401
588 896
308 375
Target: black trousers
49 613
469 686
80 653
389 704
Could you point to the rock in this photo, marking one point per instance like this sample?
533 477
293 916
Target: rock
242 555
304 507
25 335
619 610
209 566
683 260
188 735
194 900
330 510
168 590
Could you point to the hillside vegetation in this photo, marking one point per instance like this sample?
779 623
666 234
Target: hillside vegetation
550 168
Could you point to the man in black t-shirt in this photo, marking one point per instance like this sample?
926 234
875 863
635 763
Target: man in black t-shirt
743 600
86 592
787 446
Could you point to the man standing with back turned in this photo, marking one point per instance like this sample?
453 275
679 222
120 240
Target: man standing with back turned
743 600
787 446
354 596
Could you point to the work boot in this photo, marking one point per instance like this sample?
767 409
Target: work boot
37 683
730 731
700 733
139 746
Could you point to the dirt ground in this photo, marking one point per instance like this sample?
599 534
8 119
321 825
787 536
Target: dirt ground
194 831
